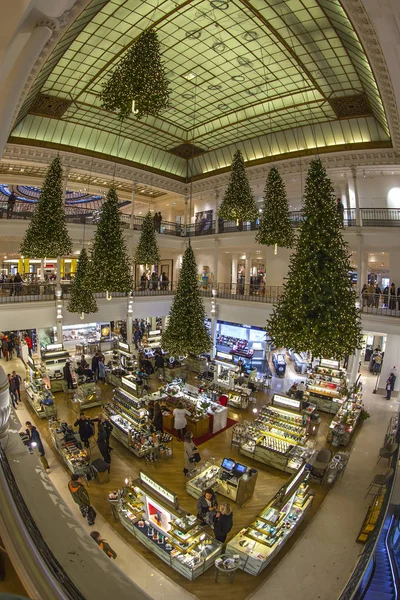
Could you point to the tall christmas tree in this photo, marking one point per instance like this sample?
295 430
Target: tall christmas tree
110 268
238 203
186 331
275 228
81 298
139 76
147 252
47 234
317 310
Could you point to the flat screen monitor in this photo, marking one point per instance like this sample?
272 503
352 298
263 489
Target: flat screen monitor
228 464
240 469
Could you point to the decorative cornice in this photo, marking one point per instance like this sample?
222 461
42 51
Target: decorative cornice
361 22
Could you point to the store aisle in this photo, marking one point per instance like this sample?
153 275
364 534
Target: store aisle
150 579
322 559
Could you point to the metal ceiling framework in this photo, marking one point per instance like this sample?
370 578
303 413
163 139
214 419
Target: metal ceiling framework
272 77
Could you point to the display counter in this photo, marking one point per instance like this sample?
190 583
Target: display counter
152 514
231 479
225 370
239 396
37 391
259 543
87 395
300 361
345 422
69 446
53 363
325 386
272 437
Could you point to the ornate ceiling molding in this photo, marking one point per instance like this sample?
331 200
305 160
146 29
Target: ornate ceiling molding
358 16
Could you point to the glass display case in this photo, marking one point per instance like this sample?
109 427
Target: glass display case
151 513
325 386
37 387
205 476
225 370
53 362
87 395
345 422
68 444
259 543
123 363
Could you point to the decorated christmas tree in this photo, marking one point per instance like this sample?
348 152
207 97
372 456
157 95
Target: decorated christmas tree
275 228
186 331
110 268
81 297
140 77
317 310
47 234
147 252
238 203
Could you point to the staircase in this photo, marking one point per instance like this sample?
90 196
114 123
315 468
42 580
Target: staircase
382 585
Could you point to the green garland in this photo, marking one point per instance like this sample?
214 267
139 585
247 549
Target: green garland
110 268
317 310
147 251
186 331
139 76
275 225
81 297
47 234
238 202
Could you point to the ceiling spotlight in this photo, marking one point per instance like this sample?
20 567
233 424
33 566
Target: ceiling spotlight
193 35
250 36
221 4
189 76
243 62
188 96
223 106
239 78
219 47
10 168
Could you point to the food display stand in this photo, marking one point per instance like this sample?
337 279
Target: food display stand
151 513
69 446
259 543
230 479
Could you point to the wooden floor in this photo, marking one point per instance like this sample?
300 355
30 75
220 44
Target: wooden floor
169 471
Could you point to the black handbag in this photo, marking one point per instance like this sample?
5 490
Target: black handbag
195 458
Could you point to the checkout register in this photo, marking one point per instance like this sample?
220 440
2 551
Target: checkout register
236 481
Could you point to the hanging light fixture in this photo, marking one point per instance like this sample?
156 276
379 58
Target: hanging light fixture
135 111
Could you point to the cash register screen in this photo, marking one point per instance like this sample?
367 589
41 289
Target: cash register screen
240 469
228 464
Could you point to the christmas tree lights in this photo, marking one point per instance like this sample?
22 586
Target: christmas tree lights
47 234
138 85
81 297
275 227
110 269
186 331
238 203
317 310
147 252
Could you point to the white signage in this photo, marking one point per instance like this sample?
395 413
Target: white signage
329 363
157 487
224 355
54 347
278 400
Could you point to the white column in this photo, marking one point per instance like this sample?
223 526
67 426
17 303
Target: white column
234 272
360 273
247 269
132 216
185 218
354 367
214 312
13 87
216 210
153 323
129 314
216 255
354 186
59 317
391 362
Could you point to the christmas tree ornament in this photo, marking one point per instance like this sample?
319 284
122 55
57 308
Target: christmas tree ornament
81 297
275 227
186 331
138 85
238 203
147 251
317 310
110 268
47 233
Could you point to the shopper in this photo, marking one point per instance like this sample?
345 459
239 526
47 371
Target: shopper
155 221
207 507
85 428
108 427
377 296
17 383
81 497
158 418
28 342
190 453
4 345
102 440
105 546
12 198
102 370
95 366
159 363
68 375
180 421
301 388
12 391
34 439
159 222
340 211
390 385
223 522
392 297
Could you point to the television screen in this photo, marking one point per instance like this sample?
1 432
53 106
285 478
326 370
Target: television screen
228 464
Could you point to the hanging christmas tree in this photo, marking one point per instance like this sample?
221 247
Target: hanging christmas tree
139 77
110 268
238 203
147 252
275 228
81 296
317 310
186 331
47 234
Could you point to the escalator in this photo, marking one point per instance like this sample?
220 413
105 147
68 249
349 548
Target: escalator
383 583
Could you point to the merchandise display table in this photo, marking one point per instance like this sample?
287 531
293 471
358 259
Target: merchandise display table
259 543
87 395
345 423
69 446
324 386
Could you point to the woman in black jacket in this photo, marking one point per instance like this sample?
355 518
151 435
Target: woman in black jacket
158 418
223 522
